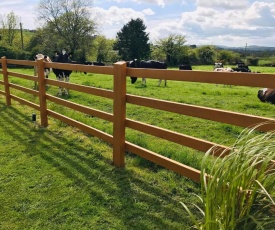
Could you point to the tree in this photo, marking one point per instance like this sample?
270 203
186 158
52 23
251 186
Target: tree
102 49
174 49
228 56
206 54
157 53
9 27
42 42
68 20
132 42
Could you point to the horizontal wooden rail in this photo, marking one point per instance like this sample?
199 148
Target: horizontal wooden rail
24 76
25 102
81 108
174 166
21 62
233 78
24 89
81 88
179 138
2 82
2 92
233 118
85 128
1 71
109 70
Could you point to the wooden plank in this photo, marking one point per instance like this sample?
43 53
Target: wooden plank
81 88
185 140
233 118
1 82
25 102
42 93
24 76
233 78
24 89
119 114
2 93
85 128
175 166
6 80
81 108
21 62
109 70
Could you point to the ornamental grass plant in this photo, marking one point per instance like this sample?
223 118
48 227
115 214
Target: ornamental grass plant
238 191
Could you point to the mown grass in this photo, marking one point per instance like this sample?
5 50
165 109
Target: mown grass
61 178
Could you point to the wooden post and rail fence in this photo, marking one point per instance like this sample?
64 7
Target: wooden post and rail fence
120 98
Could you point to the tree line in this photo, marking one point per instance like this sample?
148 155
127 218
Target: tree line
67 24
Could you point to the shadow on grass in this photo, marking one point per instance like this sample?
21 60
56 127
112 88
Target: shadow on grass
115 197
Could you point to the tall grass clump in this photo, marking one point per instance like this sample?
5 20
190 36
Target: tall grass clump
238 192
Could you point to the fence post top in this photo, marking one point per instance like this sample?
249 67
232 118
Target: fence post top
4 57
120 63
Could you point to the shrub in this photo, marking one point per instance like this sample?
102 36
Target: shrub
239 194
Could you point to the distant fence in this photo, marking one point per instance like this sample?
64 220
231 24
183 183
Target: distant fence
119 71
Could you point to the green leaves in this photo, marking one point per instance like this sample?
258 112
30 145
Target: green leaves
239 192
132 41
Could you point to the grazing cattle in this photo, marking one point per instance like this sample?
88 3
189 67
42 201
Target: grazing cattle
46 59
267 95
218 65
150 64
133 64
62 75
241 67
185 67
224 69
94 63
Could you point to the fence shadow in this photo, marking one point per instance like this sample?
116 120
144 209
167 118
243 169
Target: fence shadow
121 192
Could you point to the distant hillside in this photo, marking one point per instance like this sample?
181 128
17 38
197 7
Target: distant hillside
248 48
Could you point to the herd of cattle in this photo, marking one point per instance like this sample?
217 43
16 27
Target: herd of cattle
265 95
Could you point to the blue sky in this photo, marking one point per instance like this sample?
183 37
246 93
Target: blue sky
202 22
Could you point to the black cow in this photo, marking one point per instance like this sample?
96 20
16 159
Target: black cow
185 67
241 67
62 75
150 64
267 95
93 63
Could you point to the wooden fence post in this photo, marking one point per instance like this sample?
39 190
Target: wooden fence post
35 74
42 93
119 114
6 80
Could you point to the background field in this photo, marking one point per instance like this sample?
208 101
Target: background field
61 178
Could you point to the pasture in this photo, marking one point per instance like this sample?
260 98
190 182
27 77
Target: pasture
62 178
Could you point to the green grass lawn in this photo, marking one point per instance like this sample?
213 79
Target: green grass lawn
61 178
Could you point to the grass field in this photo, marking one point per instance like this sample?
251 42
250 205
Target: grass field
61 178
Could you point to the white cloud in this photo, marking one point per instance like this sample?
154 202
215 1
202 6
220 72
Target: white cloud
225 4
148 11
253 24
115 15
10 2
161 3
157 2
112 20
261 14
